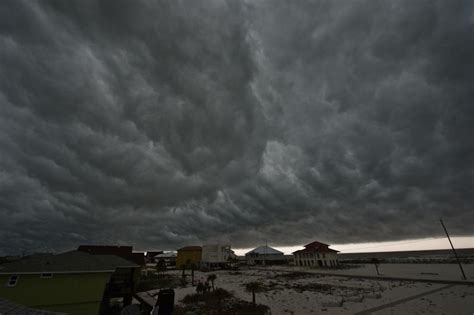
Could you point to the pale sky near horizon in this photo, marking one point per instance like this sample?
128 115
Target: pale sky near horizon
405 245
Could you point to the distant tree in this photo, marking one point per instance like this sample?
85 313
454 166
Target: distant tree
161 266
253 287
376 263
212 278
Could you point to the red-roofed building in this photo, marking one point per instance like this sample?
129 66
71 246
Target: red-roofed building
122 251
316 254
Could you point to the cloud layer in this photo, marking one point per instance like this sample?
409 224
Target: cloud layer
165 123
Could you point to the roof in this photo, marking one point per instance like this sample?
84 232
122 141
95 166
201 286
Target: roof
316 247
166 255
106 249
190 248
8 307
265 250
69 262
121 251
316 244
153 253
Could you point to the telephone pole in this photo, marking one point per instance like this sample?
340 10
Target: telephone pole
454 251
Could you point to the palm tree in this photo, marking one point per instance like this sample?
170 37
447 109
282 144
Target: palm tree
184 266
193 266
212 278
161 266
253 287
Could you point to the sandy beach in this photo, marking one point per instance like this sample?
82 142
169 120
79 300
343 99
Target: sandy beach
293 292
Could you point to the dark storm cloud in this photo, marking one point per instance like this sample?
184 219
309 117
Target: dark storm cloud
164 123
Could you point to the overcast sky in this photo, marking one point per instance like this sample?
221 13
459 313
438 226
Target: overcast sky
167 123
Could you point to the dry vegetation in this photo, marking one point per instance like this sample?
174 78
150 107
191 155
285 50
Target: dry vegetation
218 301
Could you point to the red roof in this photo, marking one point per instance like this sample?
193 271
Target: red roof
316 244
316 247
105 249
121 251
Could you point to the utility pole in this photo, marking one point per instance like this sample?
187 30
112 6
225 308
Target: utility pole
454 251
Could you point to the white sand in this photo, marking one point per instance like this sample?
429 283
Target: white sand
346 296
455 300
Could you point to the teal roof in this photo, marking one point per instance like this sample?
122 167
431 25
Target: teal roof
265 250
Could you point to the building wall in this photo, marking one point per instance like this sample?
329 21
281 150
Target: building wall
123 282
216 253
71 293
316 259
255 258
170 261
188 256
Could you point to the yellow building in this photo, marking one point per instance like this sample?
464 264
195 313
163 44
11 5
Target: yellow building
72 282
188 255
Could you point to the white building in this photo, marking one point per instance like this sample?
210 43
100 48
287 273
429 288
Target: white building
265 255
216 255
168 257
316 254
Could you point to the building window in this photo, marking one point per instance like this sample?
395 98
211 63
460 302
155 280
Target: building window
46 275
13 280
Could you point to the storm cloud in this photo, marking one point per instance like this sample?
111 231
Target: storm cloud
168 123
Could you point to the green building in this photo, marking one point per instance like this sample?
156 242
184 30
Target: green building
73 282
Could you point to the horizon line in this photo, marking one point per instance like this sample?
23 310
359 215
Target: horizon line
431 243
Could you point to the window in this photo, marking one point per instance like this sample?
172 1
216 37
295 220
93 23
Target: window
46 275
13 281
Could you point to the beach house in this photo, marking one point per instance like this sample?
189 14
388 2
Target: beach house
216 255
316 254
73 282
188 255
265 255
